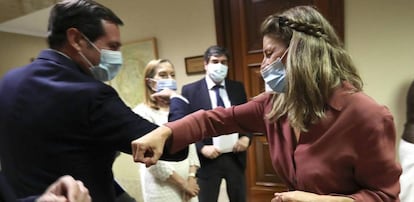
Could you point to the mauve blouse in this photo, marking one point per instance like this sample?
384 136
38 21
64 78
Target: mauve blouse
350 152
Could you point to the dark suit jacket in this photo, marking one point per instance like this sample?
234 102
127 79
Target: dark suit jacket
408 134
7 194
199 98
56 120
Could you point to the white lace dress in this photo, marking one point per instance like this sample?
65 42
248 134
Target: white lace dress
155 188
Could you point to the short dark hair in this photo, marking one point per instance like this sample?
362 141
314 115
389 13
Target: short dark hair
85 15
215 51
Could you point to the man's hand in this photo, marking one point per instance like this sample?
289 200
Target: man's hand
66 189
242 144
148 149
210 151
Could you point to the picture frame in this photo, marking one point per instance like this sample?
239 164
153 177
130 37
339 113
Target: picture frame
194 65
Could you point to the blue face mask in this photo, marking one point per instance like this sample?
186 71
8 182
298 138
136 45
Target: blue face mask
274 75
109 65
166 83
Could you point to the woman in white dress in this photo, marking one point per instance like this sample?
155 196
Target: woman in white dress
166 180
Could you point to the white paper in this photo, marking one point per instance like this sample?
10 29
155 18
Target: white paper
225 143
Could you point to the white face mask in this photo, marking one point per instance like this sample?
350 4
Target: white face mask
109 65
217 71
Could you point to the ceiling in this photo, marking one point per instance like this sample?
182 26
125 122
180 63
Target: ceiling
25 16
10 9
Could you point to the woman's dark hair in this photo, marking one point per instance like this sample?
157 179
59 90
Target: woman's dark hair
85 15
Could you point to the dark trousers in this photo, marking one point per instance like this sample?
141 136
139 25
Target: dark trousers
209 179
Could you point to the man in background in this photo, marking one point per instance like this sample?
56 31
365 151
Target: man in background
222 157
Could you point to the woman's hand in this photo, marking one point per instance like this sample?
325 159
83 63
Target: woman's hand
192 187
148 148
301 196
164 96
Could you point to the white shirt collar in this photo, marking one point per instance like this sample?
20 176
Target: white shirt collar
61 53
211 84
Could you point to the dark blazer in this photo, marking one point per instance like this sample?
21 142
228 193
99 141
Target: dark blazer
408 133
199 98
178 109
7 194
56 120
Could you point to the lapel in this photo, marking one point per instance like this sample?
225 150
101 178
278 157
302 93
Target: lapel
204 98
229 90
233 92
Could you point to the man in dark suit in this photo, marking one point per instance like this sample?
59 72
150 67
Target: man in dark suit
219 160
58 117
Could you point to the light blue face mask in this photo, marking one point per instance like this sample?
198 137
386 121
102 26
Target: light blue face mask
109 65
274 75
166 83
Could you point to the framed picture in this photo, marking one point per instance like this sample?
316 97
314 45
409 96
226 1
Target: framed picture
194 65
129 82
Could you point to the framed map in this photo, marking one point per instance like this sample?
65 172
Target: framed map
129 81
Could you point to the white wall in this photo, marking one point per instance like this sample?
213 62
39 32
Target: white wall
379 34
17 50
183 28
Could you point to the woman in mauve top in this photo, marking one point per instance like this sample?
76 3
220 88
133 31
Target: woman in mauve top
328 140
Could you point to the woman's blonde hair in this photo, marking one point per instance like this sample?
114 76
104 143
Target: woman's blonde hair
149 73
316 64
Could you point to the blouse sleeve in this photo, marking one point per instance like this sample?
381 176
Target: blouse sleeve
192 156
376 168
245 118
141 110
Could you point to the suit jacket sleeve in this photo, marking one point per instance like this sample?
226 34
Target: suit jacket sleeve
124 125
178 109
193 92
7 194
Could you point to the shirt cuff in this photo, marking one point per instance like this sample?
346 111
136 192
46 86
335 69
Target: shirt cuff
180 97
